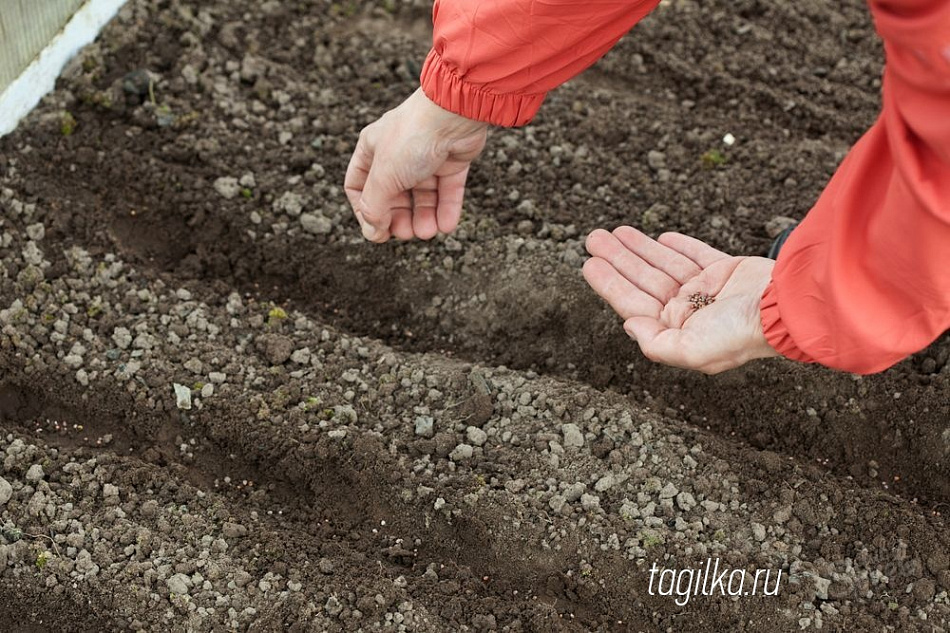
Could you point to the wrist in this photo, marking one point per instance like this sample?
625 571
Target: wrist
447 125
759 346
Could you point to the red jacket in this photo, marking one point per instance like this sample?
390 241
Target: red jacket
865 279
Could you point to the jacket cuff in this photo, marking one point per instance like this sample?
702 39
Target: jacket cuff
774 329
449 91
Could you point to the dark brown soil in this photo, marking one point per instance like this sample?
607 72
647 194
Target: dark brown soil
280 91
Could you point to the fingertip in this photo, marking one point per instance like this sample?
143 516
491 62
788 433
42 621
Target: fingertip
595 240
628 230
448 221
373 234
425 228
401 226
369 231
590 268
631 332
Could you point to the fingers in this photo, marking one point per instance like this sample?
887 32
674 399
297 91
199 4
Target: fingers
625 298
425 199
634 268
700 252
401 226
365 189
377 202
384 208
678 266
451 195
356 174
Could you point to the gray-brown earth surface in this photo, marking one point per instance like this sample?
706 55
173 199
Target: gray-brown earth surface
454 435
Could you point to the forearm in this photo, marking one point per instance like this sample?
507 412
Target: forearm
864 281
495 60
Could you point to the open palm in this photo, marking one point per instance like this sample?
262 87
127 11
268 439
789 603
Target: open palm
684 302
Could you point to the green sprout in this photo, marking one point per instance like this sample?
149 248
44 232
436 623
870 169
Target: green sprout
347 9
67 124
713 158
43 558
651 539
276 315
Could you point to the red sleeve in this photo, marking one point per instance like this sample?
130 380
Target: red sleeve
494 60
864 281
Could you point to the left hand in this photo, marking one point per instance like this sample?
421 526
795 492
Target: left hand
661 288
407 176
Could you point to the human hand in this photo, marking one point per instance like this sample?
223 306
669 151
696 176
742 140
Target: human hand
685 303
407 175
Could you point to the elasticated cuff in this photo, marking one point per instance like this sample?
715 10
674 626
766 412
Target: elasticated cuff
774 329
444 87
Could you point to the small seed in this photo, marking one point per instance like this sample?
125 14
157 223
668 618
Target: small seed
700 300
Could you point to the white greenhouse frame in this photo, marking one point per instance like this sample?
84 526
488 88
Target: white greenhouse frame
37 39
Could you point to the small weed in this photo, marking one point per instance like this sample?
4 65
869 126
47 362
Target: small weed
347 9
247 193
276 315
96 98
164 115
651 540
713 158
187 119
279 401
67 124
43 558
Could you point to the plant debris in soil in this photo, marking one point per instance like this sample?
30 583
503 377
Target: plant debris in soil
220 409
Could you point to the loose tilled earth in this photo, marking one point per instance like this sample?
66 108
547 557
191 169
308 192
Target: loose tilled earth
442 436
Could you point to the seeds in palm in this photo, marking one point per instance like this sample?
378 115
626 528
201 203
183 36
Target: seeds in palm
700 300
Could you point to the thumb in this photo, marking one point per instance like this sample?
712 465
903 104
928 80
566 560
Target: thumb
657 342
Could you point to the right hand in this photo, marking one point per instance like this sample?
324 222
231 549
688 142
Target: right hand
685 303
407 175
